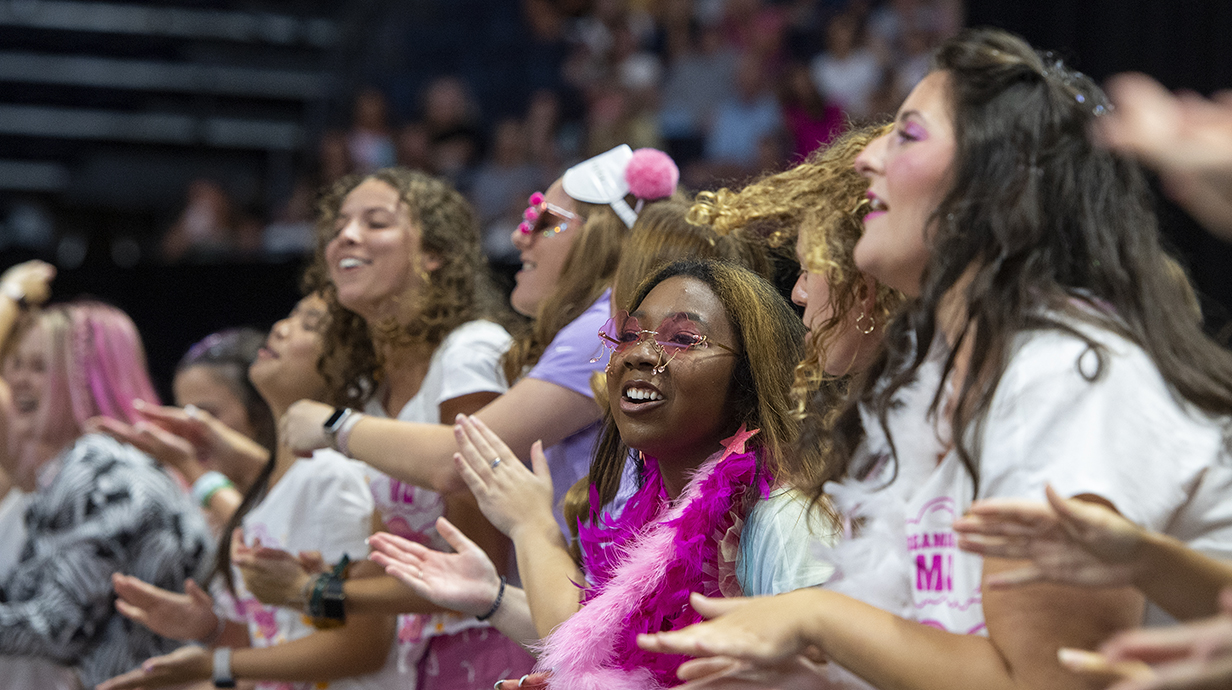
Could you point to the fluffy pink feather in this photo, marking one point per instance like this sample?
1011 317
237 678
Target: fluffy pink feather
645 564
651 174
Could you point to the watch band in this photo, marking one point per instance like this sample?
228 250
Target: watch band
335 422
222 668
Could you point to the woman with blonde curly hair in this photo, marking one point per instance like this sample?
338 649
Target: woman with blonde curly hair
817 205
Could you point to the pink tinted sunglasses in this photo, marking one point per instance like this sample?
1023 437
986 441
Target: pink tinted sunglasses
537 213
675 334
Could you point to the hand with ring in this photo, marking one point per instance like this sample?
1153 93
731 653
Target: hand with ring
509 495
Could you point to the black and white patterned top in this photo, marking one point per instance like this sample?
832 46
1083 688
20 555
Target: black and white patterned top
107 509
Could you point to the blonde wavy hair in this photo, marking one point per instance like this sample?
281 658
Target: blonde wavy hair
822 203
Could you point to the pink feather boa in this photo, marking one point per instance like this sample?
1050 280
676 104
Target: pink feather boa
643 565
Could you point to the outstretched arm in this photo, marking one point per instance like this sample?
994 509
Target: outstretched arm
1077 542
465 581
357 648
1026 626
384 443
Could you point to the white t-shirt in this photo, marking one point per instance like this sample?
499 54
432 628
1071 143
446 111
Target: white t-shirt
466 362
1122 437
319 505
780 543
848 82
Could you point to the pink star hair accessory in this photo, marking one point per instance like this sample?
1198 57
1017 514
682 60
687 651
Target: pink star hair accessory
734 445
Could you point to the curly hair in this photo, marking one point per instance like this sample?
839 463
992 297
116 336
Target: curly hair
460 290
821 202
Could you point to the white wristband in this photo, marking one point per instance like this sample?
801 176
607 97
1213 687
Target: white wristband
222 668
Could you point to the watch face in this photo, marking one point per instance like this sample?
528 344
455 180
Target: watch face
333 418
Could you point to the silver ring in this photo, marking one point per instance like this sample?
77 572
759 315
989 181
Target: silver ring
497 684
523 680
496 462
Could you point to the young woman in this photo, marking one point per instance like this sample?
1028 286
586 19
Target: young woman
96 506
414 334
324 506
570 247
1046 343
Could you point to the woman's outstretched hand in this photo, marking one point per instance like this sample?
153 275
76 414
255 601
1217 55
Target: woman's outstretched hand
1185 137
216 444
465 581
761 630
303 427
184 665
509 494
275 577
1189 656
1068 541
188 616
168 449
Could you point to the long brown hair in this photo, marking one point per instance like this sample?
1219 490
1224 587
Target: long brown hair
1052 231
585 275
821 200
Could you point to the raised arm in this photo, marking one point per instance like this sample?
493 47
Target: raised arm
519 503
420 454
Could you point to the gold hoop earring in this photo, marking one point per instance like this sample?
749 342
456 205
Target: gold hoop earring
872 323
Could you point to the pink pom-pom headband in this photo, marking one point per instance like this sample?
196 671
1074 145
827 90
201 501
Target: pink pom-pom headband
647 174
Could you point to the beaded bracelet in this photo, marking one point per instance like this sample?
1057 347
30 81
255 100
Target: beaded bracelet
500 594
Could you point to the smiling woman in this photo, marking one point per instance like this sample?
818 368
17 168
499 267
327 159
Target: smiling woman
701 403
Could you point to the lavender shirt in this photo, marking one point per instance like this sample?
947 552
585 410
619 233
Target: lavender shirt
566 363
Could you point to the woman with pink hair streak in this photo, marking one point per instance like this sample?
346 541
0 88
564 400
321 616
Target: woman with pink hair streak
94 506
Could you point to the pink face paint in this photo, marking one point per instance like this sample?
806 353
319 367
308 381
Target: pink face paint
915 131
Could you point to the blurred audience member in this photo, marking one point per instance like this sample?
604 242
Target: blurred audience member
743 120
500 187
810 120
848 71
699 77
414 148
210 228
370 143
451 121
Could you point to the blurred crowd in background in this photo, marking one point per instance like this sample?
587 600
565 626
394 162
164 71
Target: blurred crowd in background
730 88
